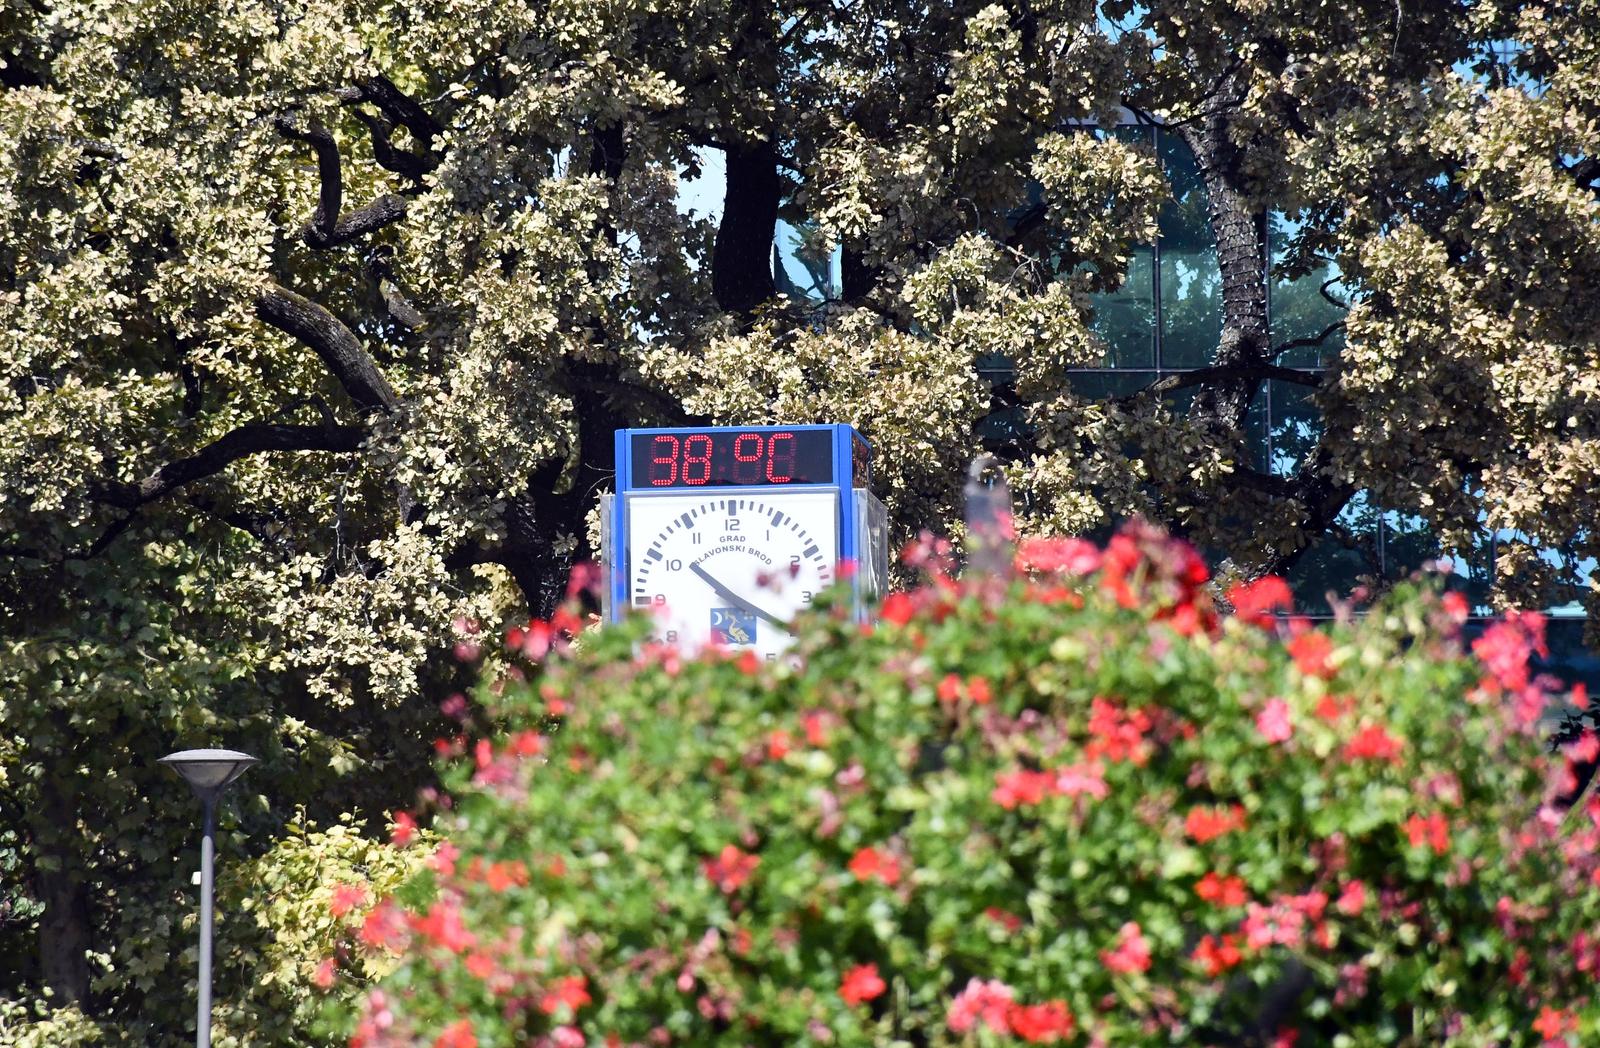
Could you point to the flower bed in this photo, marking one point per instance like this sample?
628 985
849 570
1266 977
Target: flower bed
1075 806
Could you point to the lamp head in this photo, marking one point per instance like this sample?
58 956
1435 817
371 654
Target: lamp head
208 772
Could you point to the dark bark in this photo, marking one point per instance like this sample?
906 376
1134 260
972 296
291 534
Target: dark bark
331 340
327 227
856 277
402 109
391 158
66 926
741 263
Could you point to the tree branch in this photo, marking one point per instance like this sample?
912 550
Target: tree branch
400 108
326 228
331 340
1300 343
250 439
1225 373
389 157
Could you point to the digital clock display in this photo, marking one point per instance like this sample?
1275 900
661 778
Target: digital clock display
731 458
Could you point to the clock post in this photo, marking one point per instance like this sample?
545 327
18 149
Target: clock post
724 533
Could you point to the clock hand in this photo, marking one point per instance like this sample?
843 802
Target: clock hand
738 601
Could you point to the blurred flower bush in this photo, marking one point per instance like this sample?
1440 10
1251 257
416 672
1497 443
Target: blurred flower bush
1072 806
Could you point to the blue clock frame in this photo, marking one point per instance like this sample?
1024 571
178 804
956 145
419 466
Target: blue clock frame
850 454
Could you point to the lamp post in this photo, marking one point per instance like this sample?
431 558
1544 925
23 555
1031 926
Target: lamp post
208 773
990 534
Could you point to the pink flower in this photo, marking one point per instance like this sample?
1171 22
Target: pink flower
444 859
1273 721
1506 645
1086 778
1586 749
988 1003
325 973
1131 952
1268 925
1070 556
1353 899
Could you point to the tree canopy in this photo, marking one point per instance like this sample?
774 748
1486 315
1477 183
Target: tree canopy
316 321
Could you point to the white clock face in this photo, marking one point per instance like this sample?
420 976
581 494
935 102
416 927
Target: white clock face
730 568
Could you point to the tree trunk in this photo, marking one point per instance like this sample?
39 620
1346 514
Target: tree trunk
1240 232
741 263
65 927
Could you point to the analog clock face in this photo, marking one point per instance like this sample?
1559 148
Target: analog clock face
730 569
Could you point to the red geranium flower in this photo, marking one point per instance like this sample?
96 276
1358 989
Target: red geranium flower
1552 1023
897 608
1217 955
1206 824
1021 787
1222 891
1373 743
1044 1023
570 992
729 870
1253 602
870 862
860 984
457 1035
346 897
1433 831
1311 650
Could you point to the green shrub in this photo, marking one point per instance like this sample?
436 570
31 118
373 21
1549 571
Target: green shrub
1070 807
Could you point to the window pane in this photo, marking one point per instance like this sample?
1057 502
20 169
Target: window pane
1126 318
1299 308
1569 659
1191 282
1293 426
1336 563
1099 385
1408 543
1002 426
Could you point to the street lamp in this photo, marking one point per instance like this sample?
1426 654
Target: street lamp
208 773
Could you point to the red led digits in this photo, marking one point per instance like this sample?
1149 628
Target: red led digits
701 459
669 460
745 457
780 462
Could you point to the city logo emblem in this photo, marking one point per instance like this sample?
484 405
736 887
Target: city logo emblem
732 626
